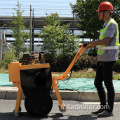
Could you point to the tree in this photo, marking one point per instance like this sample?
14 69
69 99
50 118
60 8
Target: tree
18 32
56 37
89 22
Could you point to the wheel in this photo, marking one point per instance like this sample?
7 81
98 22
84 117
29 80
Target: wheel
37 108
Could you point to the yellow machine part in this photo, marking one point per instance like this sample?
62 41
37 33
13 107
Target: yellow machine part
14 76
14 71
35 66
15 67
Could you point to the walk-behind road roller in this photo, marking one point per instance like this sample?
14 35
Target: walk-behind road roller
36 82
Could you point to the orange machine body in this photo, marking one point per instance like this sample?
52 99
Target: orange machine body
14 76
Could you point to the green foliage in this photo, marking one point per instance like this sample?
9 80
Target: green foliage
8 58
60 64
18 32
119 53
85 62
56 38
116 66
92 51
89 22
52 19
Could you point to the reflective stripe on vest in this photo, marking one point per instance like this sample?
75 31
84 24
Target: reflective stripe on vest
102 36
109 48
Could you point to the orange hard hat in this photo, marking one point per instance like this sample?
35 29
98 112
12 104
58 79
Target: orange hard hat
105 6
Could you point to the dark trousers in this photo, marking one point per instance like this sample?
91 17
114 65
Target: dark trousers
104 73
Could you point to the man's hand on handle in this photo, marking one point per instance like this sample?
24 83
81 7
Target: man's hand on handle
84 44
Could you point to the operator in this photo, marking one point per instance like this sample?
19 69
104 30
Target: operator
107 54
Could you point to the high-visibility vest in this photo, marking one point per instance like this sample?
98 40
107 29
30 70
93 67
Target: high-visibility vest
101 48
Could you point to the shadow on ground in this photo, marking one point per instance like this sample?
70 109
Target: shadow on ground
56 116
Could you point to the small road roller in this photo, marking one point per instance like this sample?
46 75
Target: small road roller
36 82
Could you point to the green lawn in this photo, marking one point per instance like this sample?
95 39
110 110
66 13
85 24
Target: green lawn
77 74
86 74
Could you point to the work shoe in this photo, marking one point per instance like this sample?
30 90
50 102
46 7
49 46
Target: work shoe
97 112
105 113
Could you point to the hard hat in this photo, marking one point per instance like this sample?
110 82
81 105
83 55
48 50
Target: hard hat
105 6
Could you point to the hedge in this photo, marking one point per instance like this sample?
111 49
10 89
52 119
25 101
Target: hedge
60 64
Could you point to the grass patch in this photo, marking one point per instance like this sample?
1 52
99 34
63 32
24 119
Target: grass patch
76 74
2 70
85 74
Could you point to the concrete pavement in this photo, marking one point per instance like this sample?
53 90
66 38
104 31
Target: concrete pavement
79 106
76 110
11 93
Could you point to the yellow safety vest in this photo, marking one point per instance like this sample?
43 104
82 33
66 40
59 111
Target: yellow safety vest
101 48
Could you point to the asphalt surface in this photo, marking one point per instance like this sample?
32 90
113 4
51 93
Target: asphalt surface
75 111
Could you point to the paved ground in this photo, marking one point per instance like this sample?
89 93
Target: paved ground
75 111
11 93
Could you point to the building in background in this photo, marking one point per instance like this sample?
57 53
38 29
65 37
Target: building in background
3 44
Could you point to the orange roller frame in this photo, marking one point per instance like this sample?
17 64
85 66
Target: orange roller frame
14 76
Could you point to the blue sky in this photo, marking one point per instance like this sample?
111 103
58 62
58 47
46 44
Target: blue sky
41 7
